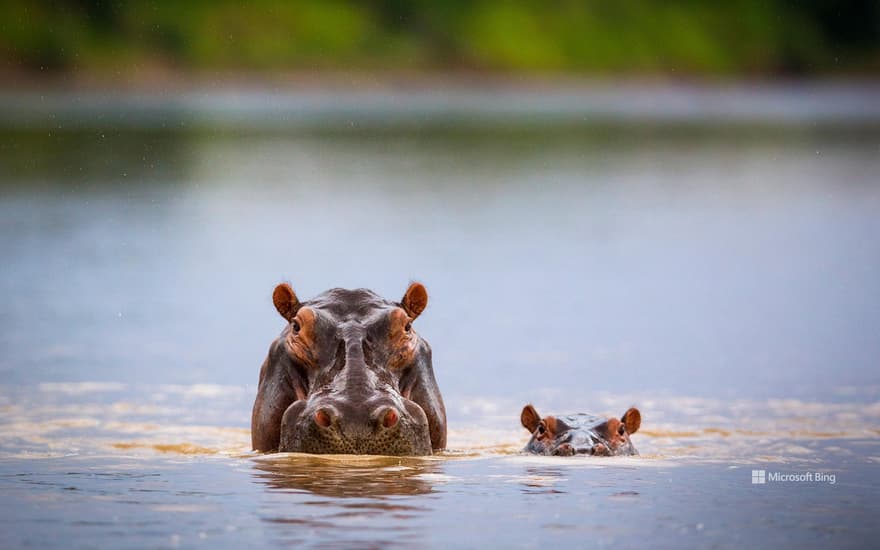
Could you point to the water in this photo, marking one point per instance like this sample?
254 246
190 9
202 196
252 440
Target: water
723 279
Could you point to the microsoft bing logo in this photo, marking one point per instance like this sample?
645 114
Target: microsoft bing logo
759 477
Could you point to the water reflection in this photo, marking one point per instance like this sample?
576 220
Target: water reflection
341 476
132 164
542 481
350 501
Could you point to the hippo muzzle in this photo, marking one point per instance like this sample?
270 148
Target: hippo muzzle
325 426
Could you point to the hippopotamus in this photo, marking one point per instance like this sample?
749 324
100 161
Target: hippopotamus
349 375
580 433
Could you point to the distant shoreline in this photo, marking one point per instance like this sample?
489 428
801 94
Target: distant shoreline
164 79
361 102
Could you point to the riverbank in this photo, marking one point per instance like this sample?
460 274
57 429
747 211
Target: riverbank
461 104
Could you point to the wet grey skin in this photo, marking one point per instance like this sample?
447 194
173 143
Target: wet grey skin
581 434
349 375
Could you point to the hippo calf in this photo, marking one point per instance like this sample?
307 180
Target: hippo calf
580 433
349 375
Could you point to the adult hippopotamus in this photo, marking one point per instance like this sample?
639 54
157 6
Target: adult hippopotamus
580 433
349 374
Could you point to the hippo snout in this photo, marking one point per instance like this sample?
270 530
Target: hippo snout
357 423
332 427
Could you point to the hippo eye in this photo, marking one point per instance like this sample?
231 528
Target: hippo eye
408 327
621 430
295 326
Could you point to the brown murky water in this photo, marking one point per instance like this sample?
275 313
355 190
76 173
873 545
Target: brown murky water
725 281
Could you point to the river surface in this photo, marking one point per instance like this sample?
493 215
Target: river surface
723 277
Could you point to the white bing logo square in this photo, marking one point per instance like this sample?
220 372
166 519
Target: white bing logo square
759 477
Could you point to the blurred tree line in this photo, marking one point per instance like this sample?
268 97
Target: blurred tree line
737 37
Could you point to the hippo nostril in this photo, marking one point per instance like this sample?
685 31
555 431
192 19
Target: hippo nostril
390 418
323 418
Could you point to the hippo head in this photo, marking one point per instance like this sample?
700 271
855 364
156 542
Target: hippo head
349 374
580 433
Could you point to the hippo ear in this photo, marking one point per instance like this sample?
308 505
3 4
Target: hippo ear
632 419
285 301
530 418
415 300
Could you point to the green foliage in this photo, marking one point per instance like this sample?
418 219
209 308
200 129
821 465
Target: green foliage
587 36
